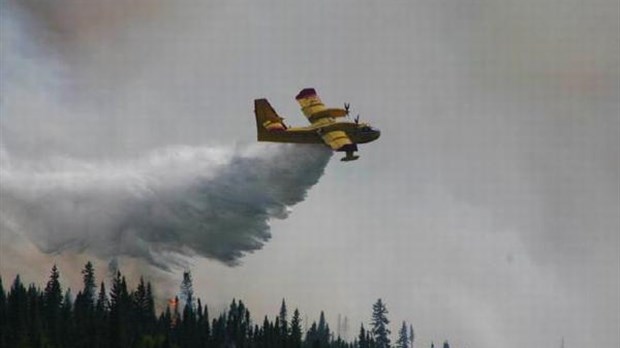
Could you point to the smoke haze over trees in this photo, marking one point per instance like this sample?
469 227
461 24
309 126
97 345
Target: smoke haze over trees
124 317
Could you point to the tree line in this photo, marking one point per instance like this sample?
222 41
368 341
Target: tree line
123 317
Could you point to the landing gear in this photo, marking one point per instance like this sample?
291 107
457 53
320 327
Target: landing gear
350 151
350 157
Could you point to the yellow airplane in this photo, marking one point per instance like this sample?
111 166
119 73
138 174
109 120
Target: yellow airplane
324 129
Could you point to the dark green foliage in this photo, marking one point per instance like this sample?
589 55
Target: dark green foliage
119 315
31 317
403 337
52 301
380 331
362 338
295 338
88 278
283 318
17 309
323 330
319 335
84 307
102 300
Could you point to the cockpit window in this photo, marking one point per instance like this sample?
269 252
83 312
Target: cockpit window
365 129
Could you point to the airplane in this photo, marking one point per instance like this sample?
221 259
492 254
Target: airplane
324 128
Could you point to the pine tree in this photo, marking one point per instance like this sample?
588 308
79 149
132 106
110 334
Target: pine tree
34 319
53 291
84 307
379 322
52 303
67 328
446 344
150 301
312 336
102 299
187 290
238 325
247 323
403 338
267 336
149 310
202 318
234 321
119 312
142 311
219 331
295 340
101 324
88 278
411 335
17 308
370 340
140 300
283 319
362 341
323 330
206 326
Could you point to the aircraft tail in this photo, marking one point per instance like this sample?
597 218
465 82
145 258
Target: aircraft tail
267 120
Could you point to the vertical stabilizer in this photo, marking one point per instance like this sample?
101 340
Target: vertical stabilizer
267 120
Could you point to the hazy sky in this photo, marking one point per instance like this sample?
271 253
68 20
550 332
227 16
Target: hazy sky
486 214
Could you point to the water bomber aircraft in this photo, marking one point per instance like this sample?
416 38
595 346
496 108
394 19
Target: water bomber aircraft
326 126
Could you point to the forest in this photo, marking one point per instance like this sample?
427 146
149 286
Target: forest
121 317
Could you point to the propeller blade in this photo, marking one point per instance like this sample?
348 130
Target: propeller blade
346 107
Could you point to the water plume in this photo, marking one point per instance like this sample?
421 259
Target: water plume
212 202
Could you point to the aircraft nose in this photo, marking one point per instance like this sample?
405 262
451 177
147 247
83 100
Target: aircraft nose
377 133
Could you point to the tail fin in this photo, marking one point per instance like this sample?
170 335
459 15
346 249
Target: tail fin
267 120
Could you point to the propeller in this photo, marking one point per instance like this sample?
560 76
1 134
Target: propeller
347 106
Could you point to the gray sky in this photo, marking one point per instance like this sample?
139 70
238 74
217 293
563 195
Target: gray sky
488 211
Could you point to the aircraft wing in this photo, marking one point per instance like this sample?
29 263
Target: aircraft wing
337 140
320 117
315 110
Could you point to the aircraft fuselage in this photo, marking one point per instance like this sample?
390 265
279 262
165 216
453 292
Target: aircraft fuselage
360 133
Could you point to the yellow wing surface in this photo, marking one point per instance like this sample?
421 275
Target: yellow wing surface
314 109
321 116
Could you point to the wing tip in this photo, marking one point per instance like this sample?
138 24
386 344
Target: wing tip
305 93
